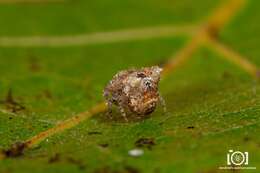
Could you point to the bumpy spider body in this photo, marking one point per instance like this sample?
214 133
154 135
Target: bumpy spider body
135 91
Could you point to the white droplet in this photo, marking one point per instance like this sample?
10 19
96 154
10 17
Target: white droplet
136 152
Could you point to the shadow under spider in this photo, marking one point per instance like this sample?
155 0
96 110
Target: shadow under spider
116 117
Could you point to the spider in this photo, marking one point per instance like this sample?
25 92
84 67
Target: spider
135 91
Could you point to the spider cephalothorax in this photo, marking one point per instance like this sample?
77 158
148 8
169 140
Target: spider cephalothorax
134 90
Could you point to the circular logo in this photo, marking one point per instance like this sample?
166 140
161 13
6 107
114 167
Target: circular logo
237 158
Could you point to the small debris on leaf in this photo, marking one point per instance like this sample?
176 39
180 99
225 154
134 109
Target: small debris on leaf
54 158
145 142
94 133
136 152
11 104
15 150
104 145
34 64
130 169
76 162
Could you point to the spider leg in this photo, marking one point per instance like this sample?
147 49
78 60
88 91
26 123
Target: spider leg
123 113
162 103
109 104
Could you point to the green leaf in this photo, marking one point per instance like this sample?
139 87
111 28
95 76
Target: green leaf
212 99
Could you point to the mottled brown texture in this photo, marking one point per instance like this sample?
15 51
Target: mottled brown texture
134 91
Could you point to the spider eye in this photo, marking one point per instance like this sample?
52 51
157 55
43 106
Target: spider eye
141 75
147 83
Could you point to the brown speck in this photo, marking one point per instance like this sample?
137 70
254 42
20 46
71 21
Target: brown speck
57 158
11 104
212 30
15 150
94 133
34 64
79 163
47 94
246 139
145 142
105 145
54 158
226 75
258 74
104 170
130 169
190 127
